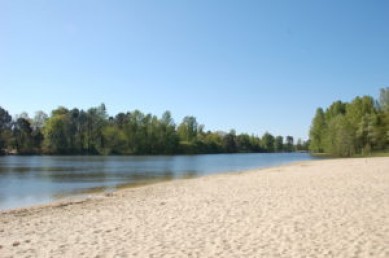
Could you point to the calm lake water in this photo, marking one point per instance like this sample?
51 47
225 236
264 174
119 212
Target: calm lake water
29 180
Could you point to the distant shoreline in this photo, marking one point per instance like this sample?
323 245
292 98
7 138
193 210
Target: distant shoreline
14 153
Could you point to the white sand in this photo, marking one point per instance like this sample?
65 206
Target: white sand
334 208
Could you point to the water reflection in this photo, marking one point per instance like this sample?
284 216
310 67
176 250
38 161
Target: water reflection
37 179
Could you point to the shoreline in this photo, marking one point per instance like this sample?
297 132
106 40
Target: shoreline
101 192
336 208
92 195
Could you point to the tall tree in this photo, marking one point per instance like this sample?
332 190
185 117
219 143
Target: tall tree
318 131
341 137
279 143
347 128
96 120
56 132
39 120
229 142
384 115
384 99
5 128
77 131
243 143
335 109
188 129
358 114
23 138
168 137
115 140
289 143
268 142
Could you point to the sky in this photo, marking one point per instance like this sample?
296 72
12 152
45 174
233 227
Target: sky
253 66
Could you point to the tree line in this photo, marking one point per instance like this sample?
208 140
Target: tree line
358 127
76 131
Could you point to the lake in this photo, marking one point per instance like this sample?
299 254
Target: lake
30 180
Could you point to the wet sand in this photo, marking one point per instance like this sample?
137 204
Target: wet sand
327 208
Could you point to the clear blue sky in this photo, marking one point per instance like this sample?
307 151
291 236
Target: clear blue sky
254 66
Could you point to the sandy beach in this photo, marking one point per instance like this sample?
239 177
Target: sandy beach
326 208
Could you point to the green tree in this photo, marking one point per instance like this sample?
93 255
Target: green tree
256 144
5 128
348 128
278 144
358 114
187 130
212 142
384 99
22 133
77 131
268 142
121 120
341 137
55 132
134 130
318 131
39 120
384 117
243 143
96 120
37 124
229 142
289 143
335 109
168 138
115 140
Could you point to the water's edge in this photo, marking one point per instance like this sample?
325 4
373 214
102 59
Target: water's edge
98 194
26 181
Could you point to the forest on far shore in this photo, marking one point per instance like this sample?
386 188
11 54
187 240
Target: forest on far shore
93 132
358 127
